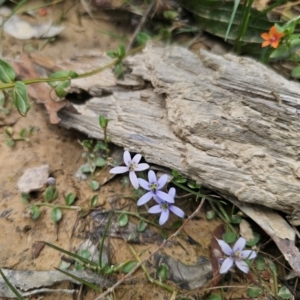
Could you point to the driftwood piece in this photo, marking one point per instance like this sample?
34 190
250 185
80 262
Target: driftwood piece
227 122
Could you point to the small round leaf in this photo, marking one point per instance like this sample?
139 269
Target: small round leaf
129 266
70 198
94 201
56 214
122 220
7 73
141 226
20 98
94 185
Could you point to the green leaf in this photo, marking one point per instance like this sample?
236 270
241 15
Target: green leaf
58 75
170 14
9 131
10 142
23 133
235 219
11 287
35 212
253 291
118 70
284 293
260 262
193 185
64 265
164 234
281 52
142 38
50 194
210 214
162 272
122 220
296 72
56 214
177 224
87 144
179 179
7 73
94 185
20 98
121 51
94 201
111 54
25 198
61 89
86 169
99 146
141 226
100 162
85 253
103 122
229 237
235 6
70 198
129 266
254 241
72 74
213 297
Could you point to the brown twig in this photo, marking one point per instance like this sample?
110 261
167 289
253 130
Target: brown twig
111 289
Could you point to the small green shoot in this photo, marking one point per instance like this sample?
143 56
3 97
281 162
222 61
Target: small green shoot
24 135
162 272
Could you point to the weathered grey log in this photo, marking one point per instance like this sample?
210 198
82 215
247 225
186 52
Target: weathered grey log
227 122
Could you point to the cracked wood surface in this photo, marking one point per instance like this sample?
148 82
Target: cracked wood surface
227 122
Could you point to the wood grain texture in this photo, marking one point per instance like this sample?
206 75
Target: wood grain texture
227 122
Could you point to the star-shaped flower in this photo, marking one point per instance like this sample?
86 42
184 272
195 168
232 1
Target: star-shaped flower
154 186
164 208
236 255
272 37
132 166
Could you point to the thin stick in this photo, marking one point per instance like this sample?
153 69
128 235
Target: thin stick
111 289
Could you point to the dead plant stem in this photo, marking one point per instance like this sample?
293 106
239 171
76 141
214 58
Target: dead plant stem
111 289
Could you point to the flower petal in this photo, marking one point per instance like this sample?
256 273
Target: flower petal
152 177
250 254
265 36
156 209
142 167
144 199
144 184
162 181
136 159
275 44
226 265
273 30
133 179
119 170
239 245
177 211
242 265
172 192
265 44
158 200
127 158
225 247
164 217
164 196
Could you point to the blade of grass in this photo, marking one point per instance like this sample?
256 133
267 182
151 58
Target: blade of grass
103 238
77 257
235 6
12 288
89 284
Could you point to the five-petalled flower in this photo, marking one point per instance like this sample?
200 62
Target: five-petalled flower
154 186
132 166
164 208
236 255
272 37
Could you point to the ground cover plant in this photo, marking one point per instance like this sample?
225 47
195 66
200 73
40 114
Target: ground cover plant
154 197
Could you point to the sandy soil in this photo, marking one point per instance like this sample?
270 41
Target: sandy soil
59 148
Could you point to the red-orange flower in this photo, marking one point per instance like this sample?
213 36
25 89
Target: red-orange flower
271 38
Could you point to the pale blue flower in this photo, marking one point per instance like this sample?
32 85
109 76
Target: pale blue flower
164 208
236 255
153 186
132 166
